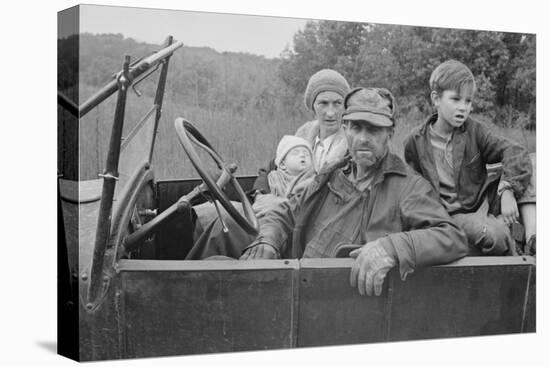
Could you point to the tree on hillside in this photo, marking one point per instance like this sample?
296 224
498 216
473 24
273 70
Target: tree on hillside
67 66
401 58
324 44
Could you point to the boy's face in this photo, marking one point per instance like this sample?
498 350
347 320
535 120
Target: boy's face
367 143
328 108
296 161
454 107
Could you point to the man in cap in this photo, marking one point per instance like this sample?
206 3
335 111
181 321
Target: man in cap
371 199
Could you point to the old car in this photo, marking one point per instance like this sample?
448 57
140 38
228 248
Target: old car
126 290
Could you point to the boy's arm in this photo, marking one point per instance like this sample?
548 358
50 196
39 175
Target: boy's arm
411 154
429 237
516 166
509 207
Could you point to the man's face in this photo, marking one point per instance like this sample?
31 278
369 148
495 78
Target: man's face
367 143
454 107
296 161
328 108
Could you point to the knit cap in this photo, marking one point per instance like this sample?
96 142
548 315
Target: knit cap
287 143
322 81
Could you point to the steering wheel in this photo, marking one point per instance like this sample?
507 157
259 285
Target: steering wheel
187 134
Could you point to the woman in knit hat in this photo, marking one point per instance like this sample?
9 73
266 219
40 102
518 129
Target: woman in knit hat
324 96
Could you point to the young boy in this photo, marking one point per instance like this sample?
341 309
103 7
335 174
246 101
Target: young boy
451 151
293 173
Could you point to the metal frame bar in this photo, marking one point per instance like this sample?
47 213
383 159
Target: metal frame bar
124 79
135 71
66 103
109 181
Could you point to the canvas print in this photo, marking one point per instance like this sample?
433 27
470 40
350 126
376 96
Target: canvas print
230 182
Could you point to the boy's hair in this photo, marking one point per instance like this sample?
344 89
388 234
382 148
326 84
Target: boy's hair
451 75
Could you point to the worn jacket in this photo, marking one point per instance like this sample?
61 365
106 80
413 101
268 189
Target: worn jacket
473 146
400 209
308 131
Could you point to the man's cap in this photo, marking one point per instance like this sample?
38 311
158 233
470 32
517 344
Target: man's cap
373 105
323 81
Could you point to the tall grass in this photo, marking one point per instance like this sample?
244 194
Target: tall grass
247 138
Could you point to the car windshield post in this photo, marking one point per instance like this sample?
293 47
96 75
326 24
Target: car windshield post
110 176
122 82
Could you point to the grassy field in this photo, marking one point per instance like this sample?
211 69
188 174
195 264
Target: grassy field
248 138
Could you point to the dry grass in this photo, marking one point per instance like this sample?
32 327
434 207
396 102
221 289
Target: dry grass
248 139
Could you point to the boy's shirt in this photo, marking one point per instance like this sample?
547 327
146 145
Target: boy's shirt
442 150
473 146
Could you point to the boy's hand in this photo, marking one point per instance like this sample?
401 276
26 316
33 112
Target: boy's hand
509 207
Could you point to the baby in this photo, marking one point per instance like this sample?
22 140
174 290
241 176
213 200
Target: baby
294 166
293 173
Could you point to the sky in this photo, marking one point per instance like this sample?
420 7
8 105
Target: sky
260 35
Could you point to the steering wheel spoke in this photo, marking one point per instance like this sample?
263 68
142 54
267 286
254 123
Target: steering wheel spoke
188 135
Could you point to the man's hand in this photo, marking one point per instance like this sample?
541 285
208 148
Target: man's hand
372 263
509 207
260 251
264 203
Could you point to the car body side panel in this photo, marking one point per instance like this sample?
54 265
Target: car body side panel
161 308
333 313
204 309
474 296
530 315
441 302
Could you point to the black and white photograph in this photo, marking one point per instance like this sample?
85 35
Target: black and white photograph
291 184
369 183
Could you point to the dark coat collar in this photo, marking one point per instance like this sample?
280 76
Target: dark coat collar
433 118
391 164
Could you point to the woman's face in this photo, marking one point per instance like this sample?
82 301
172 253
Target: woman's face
329 108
